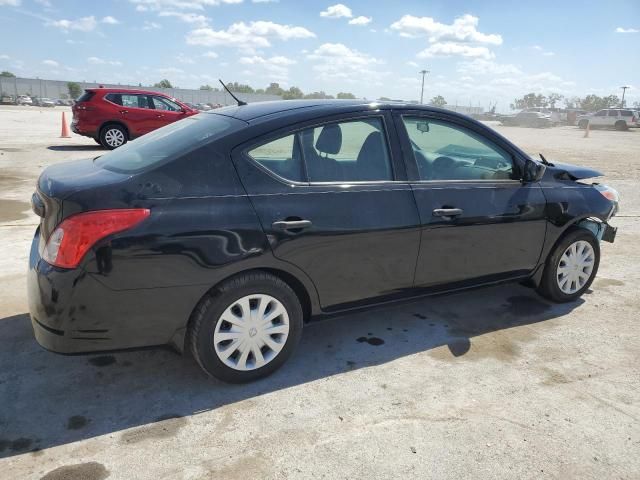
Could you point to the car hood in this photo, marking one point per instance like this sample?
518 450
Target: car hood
575 172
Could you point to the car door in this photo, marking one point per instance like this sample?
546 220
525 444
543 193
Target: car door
166 111
480 223
599 119
134 111
333 200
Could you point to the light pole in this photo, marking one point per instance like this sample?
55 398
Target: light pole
423 72
624 89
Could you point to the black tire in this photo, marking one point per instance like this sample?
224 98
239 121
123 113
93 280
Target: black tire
621 125
549 287
583 124
113 130
205 317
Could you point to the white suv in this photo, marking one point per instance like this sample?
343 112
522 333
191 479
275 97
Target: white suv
24 100
619 118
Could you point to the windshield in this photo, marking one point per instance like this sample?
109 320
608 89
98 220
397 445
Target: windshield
166 143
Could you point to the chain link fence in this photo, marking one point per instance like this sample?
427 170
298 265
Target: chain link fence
57 89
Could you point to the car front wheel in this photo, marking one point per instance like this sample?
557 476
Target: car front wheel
113 136
620 125
571 267
246 328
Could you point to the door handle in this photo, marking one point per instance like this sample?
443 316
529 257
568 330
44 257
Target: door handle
124 111
447 213
159 116
285 225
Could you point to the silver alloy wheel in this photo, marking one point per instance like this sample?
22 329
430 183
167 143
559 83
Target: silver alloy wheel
575 267
251 332
114 137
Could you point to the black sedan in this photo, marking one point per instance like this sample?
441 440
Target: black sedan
224 233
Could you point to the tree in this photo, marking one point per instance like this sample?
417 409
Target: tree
274 89
7 74
164 83
530 100
206 87
345 95
554 98
438 101
292 94
240 87
319 94
75 90
594 102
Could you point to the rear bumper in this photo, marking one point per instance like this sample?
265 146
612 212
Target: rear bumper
72 311
79 129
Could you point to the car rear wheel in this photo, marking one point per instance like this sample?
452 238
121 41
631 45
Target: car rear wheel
571 267
621 125
246 328
113 136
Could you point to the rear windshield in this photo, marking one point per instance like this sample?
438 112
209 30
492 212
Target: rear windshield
166 143
86 96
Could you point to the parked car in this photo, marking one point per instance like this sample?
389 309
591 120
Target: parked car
7 100
224 233
618 118
44 102
24 100
528 119
113 116
203 107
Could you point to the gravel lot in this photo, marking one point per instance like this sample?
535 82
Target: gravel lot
493 383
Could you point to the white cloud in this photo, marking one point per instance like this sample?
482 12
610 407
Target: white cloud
447 49
627 30
337 62
210 54
151 26
265 1
10 3
170 71
463 29
50 63
247 36
413 64
276 67
337 11
361 20
182 58
486 67
187 17
100 61
109 20
542 51
4 57
144 5
84 24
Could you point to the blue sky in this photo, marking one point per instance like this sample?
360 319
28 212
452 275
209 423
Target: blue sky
477 52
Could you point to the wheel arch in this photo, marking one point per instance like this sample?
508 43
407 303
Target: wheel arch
114 122
309 303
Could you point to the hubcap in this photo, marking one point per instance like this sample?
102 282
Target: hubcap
114 137
251 332
575 267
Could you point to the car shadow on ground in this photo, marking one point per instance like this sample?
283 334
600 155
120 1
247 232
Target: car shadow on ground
74 148
51 400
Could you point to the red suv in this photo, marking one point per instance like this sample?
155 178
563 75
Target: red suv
113 116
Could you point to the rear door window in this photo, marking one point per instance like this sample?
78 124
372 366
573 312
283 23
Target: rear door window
282 157
613 113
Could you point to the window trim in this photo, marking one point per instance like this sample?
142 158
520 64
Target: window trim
410 160
320 122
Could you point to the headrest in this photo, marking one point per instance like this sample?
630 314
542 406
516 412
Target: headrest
330 139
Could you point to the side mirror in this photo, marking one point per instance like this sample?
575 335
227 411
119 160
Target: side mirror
533 171
422 127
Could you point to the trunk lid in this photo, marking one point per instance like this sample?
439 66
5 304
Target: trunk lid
58 182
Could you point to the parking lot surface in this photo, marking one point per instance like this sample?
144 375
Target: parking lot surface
491 383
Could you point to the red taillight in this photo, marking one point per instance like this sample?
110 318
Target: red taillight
71 240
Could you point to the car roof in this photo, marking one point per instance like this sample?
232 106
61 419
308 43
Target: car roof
256 110
126 90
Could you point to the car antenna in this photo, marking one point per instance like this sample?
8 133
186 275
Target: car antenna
240 102
544 160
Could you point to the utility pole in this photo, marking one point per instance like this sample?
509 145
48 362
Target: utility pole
423 72
624 89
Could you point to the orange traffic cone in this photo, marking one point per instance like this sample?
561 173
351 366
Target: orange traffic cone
586 130
65 128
